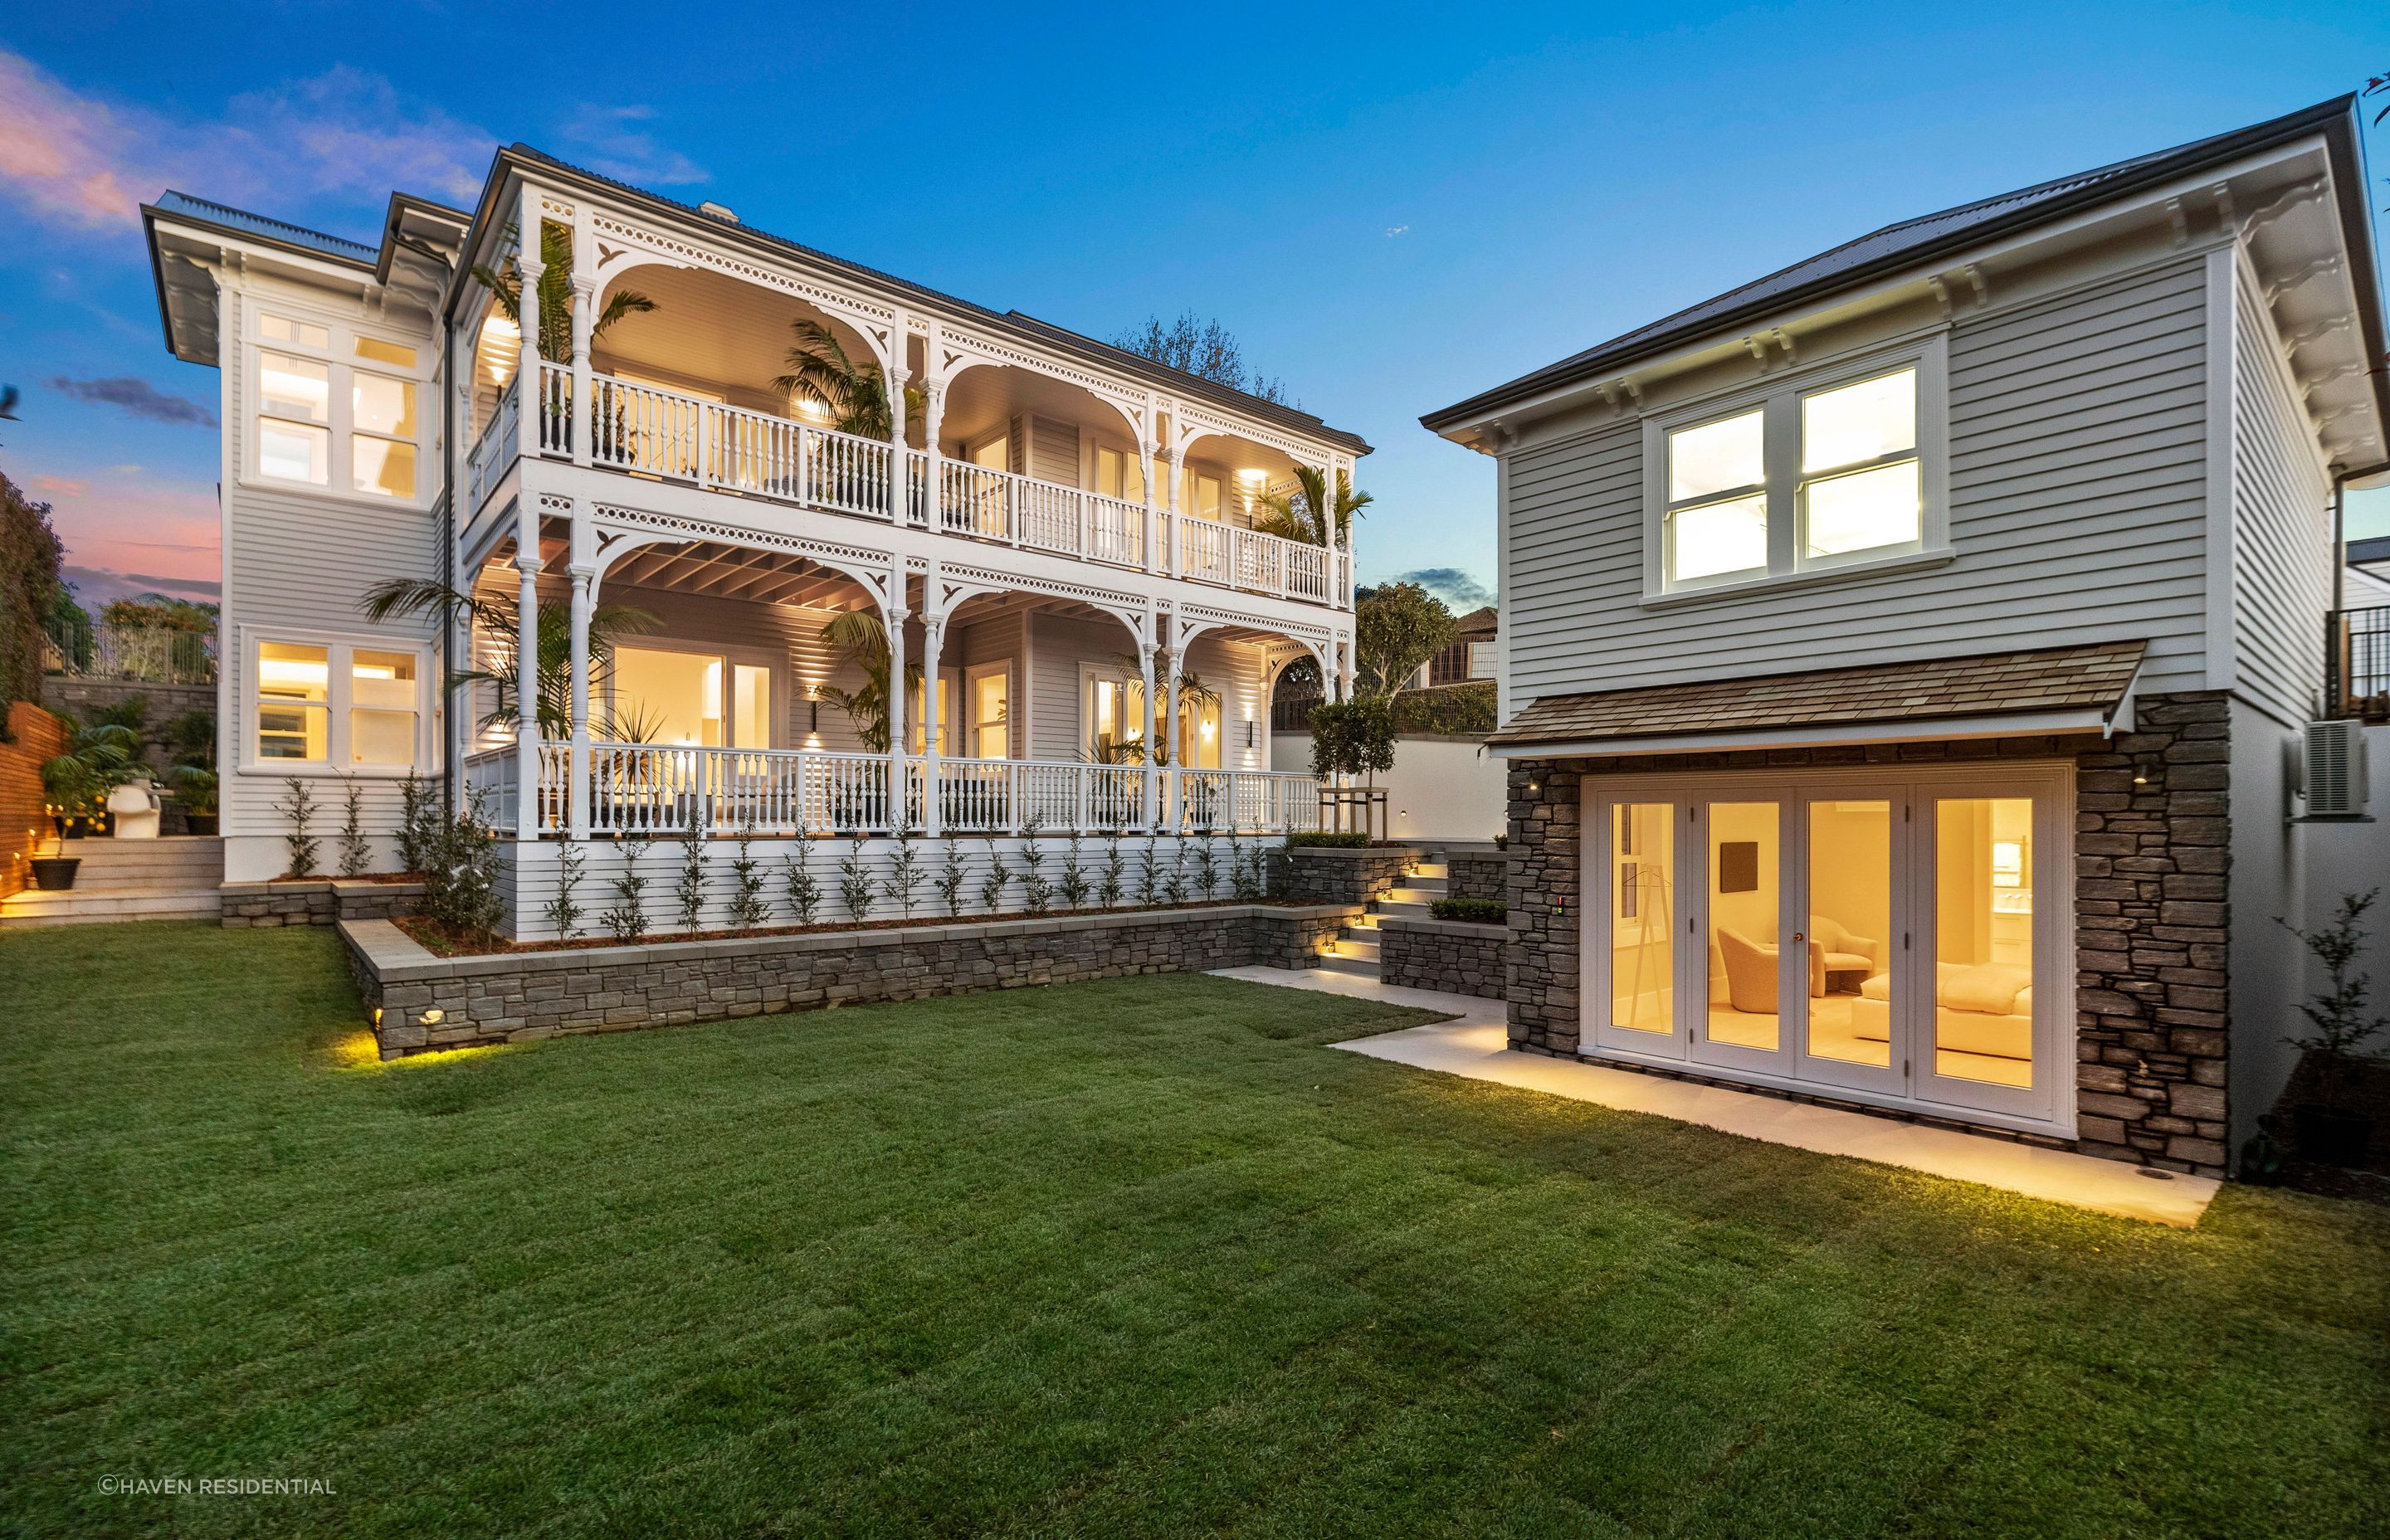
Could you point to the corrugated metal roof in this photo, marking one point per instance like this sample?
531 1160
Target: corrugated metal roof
241 220
2052 679
1891 247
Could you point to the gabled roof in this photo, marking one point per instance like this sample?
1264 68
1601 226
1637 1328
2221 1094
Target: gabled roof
1024 327
2367 553
2093 678
1912 241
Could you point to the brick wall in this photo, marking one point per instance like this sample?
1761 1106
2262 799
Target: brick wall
34 736
2152 869
525 995
1451 956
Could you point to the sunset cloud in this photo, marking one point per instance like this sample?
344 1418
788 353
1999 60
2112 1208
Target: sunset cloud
138 397
78 162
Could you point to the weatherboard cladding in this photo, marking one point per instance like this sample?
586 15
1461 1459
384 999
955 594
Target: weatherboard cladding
2282 528
2077 484
2058 679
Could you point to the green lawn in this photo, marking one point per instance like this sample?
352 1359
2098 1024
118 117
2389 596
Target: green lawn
1109 1259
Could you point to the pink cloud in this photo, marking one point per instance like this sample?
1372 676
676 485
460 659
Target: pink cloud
135 525
80 162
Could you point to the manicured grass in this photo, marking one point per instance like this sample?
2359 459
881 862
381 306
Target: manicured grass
1117 1258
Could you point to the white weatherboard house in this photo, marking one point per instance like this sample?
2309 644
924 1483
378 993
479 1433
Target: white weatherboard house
1905 655
1053 532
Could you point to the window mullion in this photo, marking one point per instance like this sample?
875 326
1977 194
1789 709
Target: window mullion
1783 456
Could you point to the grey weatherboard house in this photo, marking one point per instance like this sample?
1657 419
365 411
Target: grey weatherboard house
1904 656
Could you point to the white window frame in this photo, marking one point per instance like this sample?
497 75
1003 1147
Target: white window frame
341 357
732 657
1779 397
340 652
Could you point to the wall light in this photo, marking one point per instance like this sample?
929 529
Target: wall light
431 1018
1253 734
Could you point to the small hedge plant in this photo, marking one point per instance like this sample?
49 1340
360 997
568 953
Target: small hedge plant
1329 842
1481 911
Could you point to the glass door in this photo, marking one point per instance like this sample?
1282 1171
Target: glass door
1636 927
1754 965
1852 1029
1985 1037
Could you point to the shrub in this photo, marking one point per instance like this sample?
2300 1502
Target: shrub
855 889
461 880
562 911
1480 911
1328 841
627 919
356 854
905 873
299 807
804 888
749 909
689 893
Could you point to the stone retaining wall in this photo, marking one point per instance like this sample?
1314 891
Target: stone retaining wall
264 905
424 1003
1312 874
1478 874
1454 956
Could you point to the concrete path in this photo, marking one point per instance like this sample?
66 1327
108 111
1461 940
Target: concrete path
1476 1045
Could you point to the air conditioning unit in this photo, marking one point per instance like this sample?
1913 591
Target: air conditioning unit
2332 770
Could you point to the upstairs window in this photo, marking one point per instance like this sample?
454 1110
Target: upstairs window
1120 474
337 408
1802 477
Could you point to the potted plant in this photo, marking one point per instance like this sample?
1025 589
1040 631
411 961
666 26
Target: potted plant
55 873
2325 1126
195 787
75 784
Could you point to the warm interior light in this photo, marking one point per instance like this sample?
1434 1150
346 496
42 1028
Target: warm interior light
809 408
1252 477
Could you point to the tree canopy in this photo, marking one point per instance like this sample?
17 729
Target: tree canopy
1203 347
1396 628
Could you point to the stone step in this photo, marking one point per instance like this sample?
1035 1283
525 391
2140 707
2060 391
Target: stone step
1413 895
77 907
1403 909
1343 946
1430 870
1366 968
1364 922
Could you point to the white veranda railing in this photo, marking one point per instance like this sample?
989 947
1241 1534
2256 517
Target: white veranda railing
650 789
665 433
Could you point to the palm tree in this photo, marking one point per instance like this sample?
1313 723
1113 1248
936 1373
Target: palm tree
1192 691
855 395
608 624
1296 514
556 294
860 640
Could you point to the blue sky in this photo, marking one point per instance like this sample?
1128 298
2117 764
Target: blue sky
1391 207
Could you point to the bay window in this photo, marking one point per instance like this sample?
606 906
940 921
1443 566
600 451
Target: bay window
1824 469
336 408
328 704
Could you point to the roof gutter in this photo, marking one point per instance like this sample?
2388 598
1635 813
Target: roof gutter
2103 720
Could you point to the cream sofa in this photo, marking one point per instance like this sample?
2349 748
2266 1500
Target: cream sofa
1978 1007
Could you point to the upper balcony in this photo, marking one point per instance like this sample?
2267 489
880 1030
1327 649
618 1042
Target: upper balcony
1006 452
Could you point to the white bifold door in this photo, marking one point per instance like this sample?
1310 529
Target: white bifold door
1893 937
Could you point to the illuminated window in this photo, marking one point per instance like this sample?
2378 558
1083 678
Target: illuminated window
1120 474
335 705
324 422
1798 477
294 694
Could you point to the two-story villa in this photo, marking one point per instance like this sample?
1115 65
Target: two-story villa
1048 532
1905 654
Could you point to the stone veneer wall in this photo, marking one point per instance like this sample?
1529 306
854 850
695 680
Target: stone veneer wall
520 996
2151 873
1454 956
1477 874
1311 874
264 905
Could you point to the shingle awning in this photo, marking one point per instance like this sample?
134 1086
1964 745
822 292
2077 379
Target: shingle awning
2052 690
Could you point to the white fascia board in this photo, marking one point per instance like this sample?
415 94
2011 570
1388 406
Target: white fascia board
1688 352
1827 735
